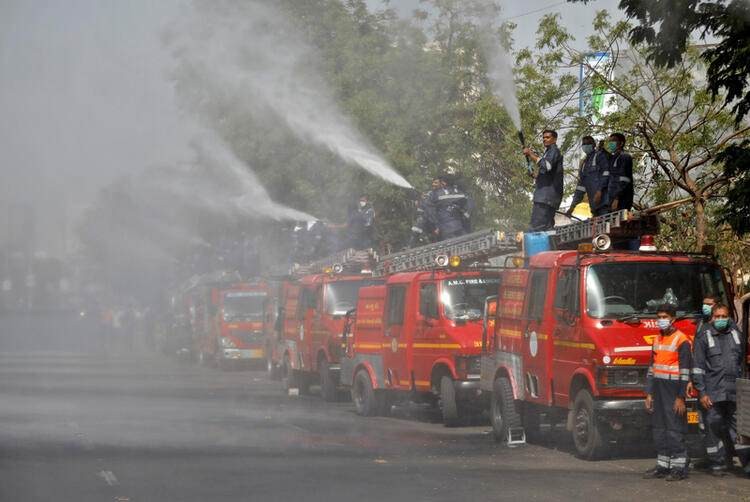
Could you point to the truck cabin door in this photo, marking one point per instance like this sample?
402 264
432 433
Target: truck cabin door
566 334
395 341
427 318
536 338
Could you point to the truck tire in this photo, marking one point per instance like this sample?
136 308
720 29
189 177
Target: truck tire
448 404
587 437
328 385
367 402
503 412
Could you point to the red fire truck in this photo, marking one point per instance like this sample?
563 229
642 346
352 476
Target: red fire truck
419 335
573 334
307 345
232 327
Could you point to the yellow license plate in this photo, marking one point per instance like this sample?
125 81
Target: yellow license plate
692 417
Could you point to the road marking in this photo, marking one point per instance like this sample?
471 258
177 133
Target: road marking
109 478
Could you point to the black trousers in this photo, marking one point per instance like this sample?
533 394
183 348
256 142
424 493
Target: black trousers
721 435
668 428
542 217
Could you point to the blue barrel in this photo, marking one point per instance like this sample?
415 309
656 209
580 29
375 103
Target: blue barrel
535 242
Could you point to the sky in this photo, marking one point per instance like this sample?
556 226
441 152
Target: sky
85 97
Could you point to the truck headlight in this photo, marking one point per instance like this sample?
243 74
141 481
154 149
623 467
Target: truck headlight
227 343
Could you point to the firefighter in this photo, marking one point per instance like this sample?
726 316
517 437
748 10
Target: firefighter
620 175
421 230
548 191
666 390
591 179
707 307
361 225
718 361
445 209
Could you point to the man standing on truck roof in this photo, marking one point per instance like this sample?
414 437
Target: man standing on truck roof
361 225
620 175
719 355
548 191
592 181
666 390
446 208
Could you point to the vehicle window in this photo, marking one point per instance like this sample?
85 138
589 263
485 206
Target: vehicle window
342 296
463 297
619 289
537 294
566 294
244 306
428 305
396 297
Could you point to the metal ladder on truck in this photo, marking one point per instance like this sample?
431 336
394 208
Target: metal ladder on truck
475 247
603 230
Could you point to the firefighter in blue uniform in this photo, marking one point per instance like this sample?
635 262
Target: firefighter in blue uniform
548 188
718 360
620 175
666 390
592 181
421 230
361 225
445 209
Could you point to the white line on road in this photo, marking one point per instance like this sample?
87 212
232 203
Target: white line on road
109 478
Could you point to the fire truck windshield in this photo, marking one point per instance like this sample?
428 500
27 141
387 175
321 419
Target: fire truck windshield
463 297
341 296
617 290
244 305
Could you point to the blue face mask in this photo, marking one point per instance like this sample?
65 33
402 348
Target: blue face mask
721 324
663 324
587 149
707 309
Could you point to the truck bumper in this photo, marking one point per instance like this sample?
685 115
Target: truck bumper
468 390
625 418
242 354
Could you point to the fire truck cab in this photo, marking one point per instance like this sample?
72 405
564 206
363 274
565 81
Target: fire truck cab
235 316
310 321
573 336
419 335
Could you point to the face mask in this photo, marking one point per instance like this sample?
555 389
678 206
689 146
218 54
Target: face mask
721 324
362 203
611 146
587 149
707 309
663 324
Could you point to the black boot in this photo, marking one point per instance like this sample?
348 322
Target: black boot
676 475
656 473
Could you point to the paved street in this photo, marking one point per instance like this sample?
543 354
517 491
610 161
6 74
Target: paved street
82 427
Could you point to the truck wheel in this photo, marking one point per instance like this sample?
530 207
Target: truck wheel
586 434
328 384
503 412
448 402
367 402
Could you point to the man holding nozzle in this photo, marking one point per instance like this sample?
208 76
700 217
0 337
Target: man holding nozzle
548 191
593 178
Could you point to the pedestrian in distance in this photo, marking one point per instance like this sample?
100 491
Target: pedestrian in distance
718 360
592 181
620 174
666 391
548 186
446 208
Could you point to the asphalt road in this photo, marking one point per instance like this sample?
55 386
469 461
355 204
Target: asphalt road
86 427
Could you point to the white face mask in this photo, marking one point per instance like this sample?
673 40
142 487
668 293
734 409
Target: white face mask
362 203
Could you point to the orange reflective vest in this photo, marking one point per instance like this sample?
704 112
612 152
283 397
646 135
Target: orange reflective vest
667 359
